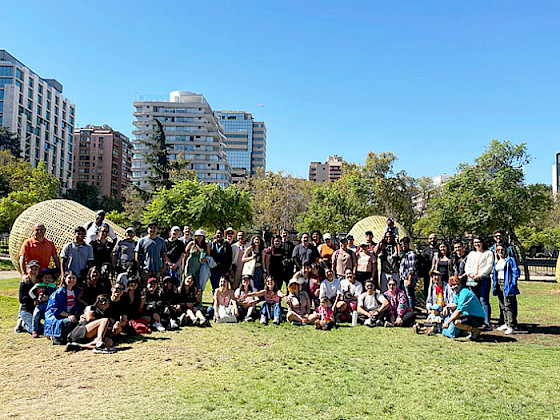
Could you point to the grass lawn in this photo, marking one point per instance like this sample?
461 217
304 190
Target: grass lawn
6 265
250 371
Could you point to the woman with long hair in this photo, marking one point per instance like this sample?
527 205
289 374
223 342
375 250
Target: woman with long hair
255 253
62 309
270 308
478 268
196 253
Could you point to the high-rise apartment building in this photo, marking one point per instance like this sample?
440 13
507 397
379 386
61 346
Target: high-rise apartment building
329 171
34 109
556 174
193 131
103 157
245 143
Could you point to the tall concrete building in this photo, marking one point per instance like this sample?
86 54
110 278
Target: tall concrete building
193 131
245 143
556 174
328 171
34 109
103 157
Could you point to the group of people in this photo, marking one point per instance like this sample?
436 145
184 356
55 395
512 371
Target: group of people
136 286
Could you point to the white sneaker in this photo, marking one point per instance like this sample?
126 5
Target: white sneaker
502 327
19 326
173 325
159 327
509 331
368 322
182 319
263 319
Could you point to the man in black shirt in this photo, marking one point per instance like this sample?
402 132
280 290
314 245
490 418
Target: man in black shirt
305 252
220 250
288 248
175 253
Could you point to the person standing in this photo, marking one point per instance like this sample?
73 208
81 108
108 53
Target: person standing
187 235
237 250
288 248
93 228
77 256
39 248
459 260
230 235
220 250
273 262
428 255
388 251
408 271
478 268
326 250
151 255
366 267
499 240
343 259
505 276
102 248
124 252
304 252
176 254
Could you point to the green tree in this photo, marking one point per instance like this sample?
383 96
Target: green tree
14 173
41 186
163 170
488 195
85 194
201 205
10 141
278 199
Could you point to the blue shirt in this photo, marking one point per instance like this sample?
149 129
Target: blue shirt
150 253
77 256
468 303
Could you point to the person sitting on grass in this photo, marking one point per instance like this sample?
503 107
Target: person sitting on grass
224 303
469 315
330 288
351 290
40 293
170 303
316 277
93 286
27 303
433 322
299 305
270 308
398 313
189 299
116 312
326 315
153 305
89 334
135 298
247 305
439 292
371 306
62 309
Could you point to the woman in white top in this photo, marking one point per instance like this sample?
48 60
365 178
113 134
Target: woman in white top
478 268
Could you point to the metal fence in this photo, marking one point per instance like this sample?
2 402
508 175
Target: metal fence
4 247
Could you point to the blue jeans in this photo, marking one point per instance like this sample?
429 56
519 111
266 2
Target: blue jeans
410 292
482 291
38 315
27 318
271 310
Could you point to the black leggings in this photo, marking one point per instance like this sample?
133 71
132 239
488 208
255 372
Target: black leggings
408 318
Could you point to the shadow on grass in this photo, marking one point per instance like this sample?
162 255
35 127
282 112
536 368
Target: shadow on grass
538 329
494 338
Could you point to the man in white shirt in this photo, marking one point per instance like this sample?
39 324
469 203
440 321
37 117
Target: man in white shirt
371 305
351 289
330 288
93 228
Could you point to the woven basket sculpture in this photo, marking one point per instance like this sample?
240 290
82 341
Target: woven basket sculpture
377 225
60 218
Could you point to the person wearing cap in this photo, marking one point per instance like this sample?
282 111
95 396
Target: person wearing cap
351 245
77 256
343 259
433 322
439 293
176 254
40 293
26 302
391 228
196 251
93 228
151 254
230 235
468 315
124 255
408 271
299 305
326 250
38 248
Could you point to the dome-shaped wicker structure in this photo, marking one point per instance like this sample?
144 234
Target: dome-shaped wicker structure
60 218
377 225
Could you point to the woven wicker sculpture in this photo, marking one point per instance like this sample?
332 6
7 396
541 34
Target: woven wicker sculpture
60 218
377 225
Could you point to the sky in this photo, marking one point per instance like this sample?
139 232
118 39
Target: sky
432 82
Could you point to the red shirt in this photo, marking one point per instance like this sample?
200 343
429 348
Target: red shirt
32 249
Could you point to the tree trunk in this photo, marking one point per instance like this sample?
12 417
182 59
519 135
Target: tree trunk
523 255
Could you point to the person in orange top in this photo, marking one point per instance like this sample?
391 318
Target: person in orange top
326 250
39 248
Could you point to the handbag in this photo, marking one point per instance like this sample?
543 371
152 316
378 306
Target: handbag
249 268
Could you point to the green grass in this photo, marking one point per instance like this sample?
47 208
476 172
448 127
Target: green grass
6 265
250 371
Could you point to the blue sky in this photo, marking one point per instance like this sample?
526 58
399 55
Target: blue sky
430 81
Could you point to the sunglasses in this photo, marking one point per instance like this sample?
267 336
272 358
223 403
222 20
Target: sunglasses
104 301
119 289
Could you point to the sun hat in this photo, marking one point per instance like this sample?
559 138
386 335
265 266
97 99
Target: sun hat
432 272
199 232
229 229
436 307
33 263
152 280
326 236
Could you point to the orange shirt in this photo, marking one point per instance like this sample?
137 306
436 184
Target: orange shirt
32 249
326 252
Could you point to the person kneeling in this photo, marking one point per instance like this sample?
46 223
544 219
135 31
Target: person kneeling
468 316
